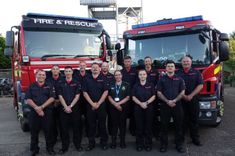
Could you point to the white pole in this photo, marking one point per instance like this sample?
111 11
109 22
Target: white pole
117 22
141 20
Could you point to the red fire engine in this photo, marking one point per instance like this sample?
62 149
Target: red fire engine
44 40
170 39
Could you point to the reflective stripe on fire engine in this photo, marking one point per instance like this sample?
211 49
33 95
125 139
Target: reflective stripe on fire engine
217 69
17 73
62 62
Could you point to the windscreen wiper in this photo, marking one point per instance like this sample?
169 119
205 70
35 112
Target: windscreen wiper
91 56
53 55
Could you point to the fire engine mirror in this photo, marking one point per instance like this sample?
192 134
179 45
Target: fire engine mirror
202 39
110 53
8 51
224 37
119 57
10 39
108 42
117 46
224 51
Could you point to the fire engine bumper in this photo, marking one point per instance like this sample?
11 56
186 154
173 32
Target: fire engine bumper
210 110
208 117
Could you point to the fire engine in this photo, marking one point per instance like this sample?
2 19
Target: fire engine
171 39
43 40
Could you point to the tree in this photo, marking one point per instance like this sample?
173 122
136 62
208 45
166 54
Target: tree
5 62
231 62
232 35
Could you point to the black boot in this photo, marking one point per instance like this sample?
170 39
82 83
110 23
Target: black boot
113 143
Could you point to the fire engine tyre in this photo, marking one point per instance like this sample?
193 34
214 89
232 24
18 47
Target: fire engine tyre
24 124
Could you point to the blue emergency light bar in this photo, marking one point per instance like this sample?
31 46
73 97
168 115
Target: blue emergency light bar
60 16
168 21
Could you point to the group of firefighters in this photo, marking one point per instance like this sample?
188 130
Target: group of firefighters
58 104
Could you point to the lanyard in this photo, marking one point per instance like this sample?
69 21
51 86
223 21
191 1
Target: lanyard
117 89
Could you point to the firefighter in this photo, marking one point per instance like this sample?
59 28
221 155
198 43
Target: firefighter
194 84
40 97
143 94
105 72
170 90
129 75
55 79
119 94
153 77
95 91
81 76
153 74
109 79
70 111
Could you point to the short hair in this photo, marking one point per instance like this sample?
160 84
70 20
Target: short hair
105 62
169 62
55 65
127 57
40 70
117 71
82 62
188 56
146 57
142 70
68 67
95 63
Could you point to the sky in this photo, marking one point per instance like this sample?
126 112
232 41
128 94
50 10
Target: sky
220 13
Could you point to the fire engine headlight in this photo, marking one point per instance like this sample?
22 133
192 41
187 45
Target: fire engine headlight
25 59
205 105
208 114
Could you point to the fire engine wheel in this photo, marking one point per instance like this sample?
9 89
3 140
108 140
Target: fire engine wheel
24 124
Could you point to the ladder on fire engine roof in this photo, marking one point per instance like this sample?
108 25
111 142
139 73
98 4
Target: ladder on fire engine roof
123 14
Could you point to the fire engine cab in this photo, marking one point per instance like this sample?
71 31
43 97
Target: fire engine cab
43 40
171 39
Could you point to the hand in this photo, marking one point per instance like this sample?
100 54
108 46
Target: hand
171 103
144 105
190 97
98 105
95 106
41 114
38 110
119 108
68 109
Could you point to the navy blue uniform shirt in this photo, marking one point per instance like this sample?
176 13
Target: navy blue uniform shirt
143 92
69 90
95 87
129 76
55 83
192 79
78 77
153 76
109 78
170 87
40 94
121 92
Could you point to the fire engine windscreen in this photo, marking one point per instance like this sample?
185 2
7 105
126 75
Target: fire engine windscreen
66 44
171 48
